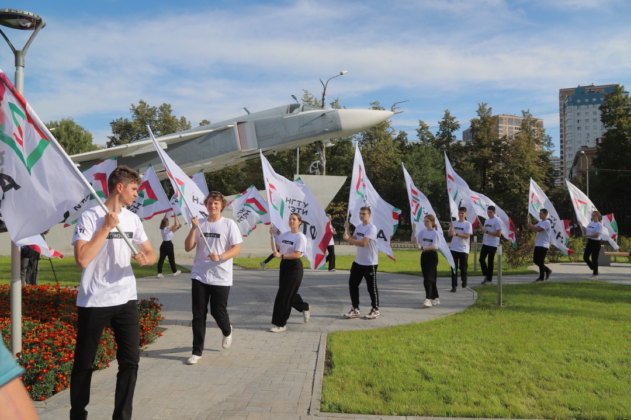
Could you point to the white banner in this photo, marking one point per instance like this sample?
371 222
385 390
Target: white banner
537 200
249 209
459 195
151 198
200 180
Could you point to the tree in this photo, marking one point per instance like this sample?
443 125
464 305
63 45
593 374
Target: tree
485 146
160 119
423 134
445 138
72 137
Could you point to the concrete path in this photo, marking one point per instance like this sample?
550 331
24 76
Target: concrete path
265 375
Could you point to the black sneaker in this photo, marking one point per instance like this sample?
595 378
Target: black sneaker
548 274
538 280
453 290
464 285
486 281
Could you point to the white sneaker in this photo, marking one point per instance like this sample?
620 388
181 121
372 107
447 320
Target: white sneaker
436 302
427 303
159 275
262 265
307 315
373 314
276 329
193 359
177 273
352 314
226 342
594 277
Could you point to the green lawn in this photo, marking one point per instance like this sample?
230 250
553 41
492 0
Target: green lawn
67 271
407 262
556 350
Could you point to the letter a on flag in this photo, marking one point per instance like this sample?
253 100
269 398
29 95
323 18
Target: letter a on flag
39 186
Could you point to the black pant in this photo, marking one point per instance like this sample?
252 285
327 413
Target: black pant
539 258
287 297
487 268
429 264
461 259
359 272
29 265
590 256
330 257
166 250
203 294
269 258
90 323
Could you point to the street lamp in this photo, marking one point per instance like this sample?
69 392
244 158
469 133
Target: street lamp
23 21
582 153
326 84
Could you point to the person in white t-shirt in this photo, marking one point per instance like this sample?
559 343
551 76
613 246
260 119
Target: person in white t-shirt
365 264
211 274
166 248
592 247
289 246
460 232
490 241
542 244
107 292
330 249
427 239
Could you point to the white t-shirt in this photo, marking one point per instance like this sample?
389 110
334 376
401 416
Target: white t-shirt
369 254
108 280
543 238
289 242
592 228
332 241
491 225
459 244
167 234
221 236
427 238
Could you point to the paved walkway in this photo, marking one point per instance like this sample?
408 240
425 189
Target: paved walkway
265 375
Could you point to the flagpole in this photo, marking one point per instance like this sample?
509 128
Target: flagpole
157 146
77 172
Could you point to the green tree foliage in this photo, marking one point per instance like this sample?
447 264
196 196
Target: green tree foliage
160 119
612 169
72 137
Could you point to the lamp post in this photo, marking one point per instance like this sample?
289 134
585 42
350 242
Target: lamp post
326 84
24 21
582 153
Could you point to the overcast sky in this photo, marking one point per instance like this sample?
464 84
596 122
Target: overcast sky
211 58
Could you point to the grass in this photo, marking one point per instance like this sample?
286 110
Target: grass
407 262
556 350
67 271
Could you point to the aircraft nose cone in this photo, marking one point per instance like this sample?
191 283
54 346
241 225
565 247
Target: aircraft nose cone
354 120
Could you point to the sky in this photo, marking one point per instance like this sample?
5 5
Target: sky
209 59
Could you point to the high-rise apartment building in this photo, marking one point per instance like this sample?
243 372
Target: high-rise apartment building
579 118
504 125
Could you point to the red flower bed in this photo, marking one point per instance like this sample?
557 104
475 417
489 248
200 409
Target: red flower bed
49 332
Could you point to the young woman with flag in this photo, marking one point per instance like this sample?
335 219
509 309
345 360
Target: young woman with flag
289 247
166 248
460 232
592 247
211 274
490 242
427 238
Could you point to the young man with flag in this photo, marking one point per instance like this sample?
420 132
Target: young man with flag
460 232
107 293
365 264
490 242
212 271
593 233
542 243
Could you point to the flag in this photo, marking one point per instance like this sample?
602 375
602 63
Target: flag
583 207
508 227
249 209
419 208
39 245
537 200
385 216
151 198
39 185
286 197
200 180
97 176
567 223
188 198
609 221
459 195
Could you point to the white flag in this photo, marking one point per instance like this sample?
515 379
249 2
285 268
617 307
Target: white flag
97 176
421 207
188 198
249 209
286 197
459 195
508 227
385 217
583 207
200 179
537 200
151 198
39 186
39 245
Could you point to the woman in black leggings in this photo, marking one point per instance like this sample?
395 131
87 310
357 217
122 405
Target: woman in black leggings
166 248
427 238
